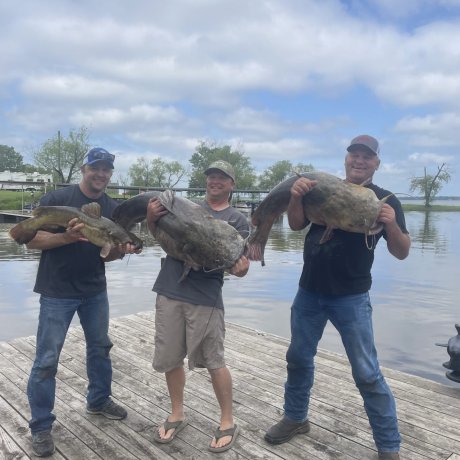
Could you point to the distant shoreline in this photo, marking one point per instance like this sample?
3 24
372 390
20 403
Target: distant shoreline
433 207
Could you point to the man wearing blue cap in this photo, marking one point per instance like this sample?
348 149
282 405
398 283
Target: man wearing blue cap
71 279
334 286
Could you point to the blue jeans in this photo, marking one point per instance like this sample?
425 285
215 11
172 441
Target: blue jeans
352 316
53 324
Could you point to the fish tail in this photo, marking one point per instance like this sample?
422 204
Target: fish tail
255 246
105 250
255 251
22 234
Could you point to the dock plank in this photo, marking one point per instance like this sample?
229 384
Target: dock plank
340 429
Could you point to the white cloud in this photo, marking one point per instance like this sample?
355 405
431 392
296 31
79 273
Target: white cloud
433 130
287 78
424 158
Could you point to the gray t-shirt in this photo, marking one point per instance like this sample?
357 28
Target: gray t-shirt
199 287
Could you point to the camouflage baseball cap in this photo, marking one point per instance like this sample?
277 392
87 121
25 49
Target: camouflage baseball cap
222 166
368 142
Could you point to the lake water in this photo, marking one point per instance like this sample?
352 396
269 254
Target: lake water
415 301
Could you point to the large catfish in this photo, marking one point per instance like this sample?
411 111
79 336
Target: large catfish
332 202
187 232
98 230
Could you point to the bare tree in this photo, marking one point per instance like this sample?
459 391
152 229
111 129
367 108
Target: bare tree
430 185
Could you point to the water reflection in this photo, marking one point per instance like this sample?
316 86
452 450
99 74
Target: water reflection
426 231
9 250
283 239
414 301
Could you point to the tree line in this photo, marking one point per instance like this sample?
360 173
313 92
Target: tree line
62 156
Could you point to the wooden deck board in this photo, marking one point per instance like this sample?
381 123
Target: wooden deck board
427 410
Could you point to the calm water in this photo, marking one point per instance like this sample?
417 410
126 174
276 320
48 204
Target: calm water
413 300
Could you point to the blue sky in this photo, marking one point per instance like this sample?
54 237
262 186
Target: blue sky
279 79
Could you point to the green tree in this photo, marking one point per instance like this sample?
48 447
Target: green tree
64 155
429 185
156 173
280 171
10 160
28 168
207 152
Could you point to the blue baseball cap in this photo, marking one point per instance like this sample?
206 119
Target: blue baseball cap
98 154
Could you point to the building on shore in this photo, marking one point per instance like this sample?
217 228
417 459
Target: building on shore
13 176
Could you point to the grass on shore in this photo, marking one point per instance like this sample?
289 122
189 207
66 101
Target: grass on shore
434 207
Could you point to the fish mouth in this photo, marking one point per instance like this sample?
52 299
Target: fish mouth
376 228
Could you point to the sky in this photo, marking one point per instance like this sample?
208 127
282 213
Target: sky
275 79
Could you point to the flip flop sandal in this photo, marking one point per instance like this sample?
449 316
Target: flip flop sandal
233 432
167 425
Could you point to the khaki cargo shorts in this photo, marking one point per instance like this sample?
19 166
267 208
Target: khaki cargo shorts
186 330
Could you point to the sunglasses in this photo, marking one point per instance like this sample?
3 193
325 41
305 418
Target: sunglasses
101 155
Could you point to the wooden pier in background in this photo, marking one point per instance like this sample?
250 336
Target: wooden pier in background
13 217
429 413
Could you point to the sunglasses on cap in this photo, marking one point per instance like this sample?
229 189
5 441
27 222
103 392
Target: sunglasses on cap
99 154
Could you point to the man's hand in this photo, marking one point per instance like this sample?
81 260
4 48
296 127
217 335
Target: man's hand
155 211
240 268
129 248
398 243
302 186
119 251
295 212
73 231
387 215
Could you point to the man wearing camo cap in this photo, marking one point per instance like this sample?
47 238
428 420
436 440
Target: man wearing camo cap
189 316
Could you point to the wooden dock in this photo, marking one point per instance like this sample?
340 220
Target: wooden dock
12 217
429 413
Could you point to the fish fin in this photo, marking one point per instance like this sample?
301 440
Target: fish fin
92 210
167 199
186 271
105 250
385 198
327 235
366 182
213 269
22 235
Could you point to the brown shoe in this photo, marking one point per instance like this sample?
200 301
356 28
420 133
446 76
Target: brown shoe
285 430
